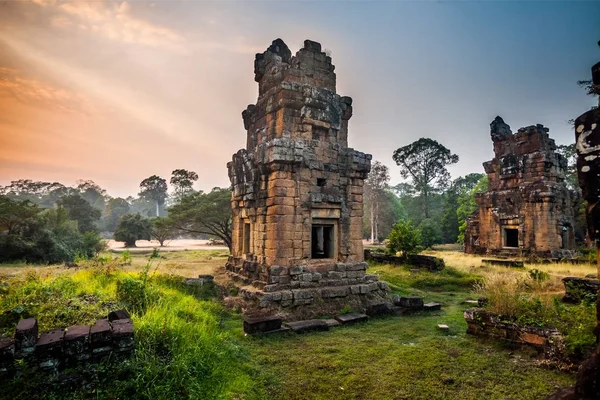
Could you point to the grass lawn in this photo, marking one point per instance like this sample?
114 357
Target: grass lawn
189 346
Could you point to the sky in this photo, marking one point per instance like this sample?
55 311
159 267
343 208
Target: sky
118 91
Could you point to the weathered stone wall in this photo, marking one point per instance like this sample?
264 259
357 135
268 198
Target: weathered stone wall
526 191
60 348
296 172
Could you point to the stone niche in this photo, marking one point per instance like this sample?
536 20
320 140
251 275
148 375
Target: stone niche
298 189
527 209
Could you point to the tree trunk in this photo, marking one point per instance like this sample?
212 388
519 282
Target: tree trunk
372 224
377 222
157 210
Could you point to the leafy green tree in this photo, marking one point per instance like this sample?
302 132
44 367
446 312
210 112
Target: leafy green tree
204 214
404 238
163 230
449 221
15 216
81 211
431 233
424 162
132 227
115 209
375 189
44 194
467 205
154 188
92 193
183 180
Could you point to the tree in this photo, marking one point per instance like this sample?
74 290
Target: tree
404 238
15 216
467 206
425 161
133 227
430 233
154 188
92 193
44 194
570 154
204 213
374 190
449 222
183 180
81 211
162 229
115 209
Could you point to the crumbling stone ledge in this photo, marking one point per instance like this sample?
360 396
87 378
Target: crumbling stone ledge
576 289
484 323
59 348
430 263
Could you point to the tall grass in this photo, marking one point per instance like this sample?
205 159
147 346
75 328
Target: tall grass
184 347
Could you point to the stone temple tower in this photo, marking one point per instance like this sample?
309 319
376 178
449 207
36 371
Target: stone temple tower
527 209
298 189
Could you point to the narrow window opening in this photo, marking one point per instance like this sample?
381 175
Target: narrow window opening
246 244
323 244
511 237
321 182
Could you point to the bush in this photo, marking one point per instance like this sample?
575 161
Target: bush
404 237
133 227
430 233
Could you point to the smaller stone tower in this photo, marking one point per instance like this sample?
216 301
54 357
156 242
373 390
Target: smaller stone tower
298 189
527 208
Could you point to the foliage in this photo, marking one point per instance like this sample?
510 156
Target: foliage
183 180
43 194
204 213
183 348
431 233
17 216
92 193
404 237
538 275
450 219
424 162
162 229
154 188
467 206
115 209
375 188
133 227
81 211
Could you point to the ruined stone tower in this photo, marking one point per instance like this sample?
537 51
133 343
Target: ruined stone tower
297 188
527 208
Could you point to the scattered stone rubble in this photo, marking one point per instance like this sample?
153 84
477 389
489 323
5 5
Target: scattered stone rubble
298 190
402 305
428 263
527 209
59 348
484 323
576 289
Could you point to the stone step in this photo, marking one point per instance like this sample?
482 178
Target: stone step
262 324
432 306
408 301
351 318
332 322
309 325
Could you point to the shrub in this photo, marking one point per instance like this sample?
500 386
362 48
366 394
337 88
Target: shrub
538 275
430 233
132 227
404 237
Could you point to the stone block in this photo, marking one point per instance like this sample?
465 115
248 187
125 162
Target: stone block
26 336
122 335
408 301
119 314
332 322
432 306
262 324
49 349
101 339
378 309
351 318
76 344
310 325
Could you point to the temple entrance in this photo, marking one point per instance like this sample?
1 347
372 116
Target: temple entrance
322 241
511 237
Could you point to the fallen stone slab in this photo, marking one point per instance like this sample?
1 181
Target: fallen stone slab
375 310
576 289
283 329
408 301
254 325
332 322
119 314
504 263
432 306
443 327
472 302
309 325
351 318
404 311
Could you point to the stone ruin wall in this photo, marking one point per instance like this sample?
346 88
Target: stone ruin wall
297 172
526 192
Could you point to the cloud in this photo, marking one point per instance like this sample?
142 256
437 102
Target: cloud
112 20
33 92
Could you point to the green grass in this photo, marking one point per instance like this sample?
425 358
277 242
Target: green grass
184 348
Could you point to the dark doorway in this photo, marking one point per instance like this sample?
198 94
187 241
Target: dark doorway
246 246
511 237
322 241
